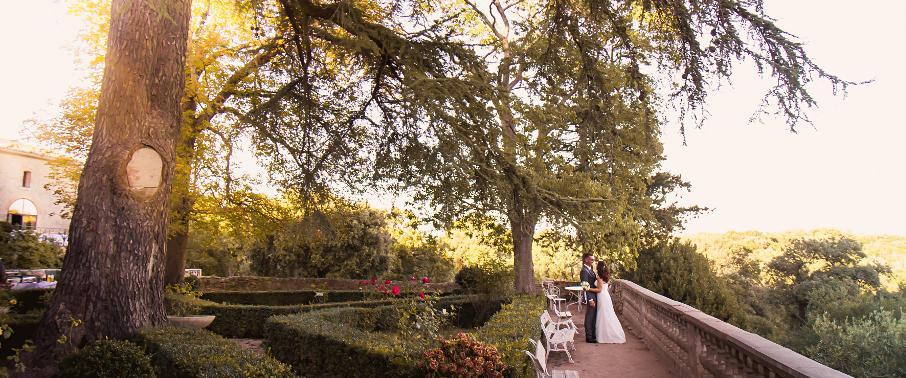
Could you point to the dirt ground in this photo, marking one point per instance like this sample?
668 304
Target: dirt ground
253 345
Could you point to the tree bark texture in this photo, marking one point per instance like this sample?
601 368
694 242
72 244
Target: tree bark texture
112 277
181 204
523 220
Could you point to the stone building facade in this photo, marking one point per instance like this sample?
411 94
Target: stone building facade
24 201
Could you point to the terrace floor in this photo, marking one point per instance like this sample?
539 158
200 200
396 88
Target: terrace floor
632 359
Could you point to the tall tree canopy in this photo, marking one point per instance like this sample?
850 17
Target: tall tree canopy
538 111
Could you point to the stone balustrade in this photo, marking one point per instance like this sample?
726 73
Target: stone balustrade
699 345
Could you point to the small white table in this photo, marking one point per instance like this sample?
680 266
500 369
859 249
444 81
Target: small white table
576 291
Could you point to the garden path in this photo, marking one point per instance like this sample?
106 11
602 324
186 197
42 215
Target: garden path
632 359
253 345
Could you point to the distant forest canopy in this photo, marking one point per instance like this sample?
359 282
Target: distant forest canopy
889 250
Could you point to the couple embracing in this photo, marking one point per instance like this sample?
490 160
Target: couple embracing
601 323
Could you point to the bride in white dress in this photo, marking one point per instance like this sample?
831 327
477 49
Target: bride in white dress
608 328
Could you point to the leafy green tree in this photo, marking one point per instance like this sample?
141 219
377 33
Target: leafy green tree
344 240
24 249
419 253
545 112
676 270
814 276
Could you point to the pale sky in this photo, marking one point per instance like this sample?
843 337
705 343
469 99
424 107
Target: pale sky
846 171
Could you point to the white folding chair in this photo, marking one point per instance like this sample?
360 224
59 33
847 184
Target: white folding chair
555 304
558 322
558 339
539 362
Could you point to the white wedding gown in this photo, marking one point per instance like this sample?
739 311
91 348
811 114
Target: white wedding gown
608 329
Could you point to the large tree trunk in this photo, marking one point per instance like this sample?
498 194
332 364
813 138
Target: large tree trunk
177 248
523 220
182 203
112 278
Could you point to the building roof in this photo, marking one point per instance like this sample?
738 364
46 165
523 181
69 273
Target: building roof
17 147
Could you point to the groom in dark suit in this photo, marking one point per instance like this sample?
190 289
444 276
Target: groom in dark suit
588 275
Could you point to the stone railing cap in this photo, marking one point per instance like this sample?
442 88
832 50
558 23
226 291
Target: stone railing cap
771 353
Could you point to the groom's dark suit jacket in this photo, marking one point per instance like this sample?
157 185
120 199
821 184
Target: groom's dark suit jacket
588 275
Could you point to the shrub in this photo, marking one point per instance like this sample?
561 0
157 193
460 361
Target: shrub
107 358
872 346
25 250
181 299
183 352
489 276
361 341
463 356
510 329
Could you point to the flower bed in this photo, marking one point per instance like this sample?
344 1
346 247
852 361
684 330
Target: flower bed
362 341
181 352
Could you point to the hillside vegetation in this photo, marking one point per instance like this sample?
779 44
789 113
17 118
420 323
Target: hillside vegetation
889 250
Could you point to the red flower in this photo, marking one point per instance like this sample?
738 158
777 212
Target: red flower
387 282
396 290
425 280
421 295
373 280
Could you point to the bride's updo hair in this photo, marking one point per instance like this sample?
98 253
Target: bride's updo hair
603 271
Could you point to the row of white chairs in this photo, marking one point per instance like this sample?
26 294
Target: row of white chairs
552 292
539 362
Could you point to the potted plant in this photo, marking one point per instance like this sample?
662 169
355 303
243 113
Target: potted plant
183 308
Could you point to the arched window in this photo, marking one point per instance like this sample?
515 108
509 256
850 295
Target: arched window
23 213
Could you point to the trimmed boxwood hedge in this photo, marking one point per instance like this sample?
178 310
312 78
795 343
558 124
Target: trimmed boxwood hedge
107 358
352 341
282 298
184 352
247 321
510 329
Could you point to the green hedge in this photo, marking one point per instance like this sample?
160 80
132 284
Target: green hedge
30 299
107 359
247 321
511 328
352 341
282 298
183 352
